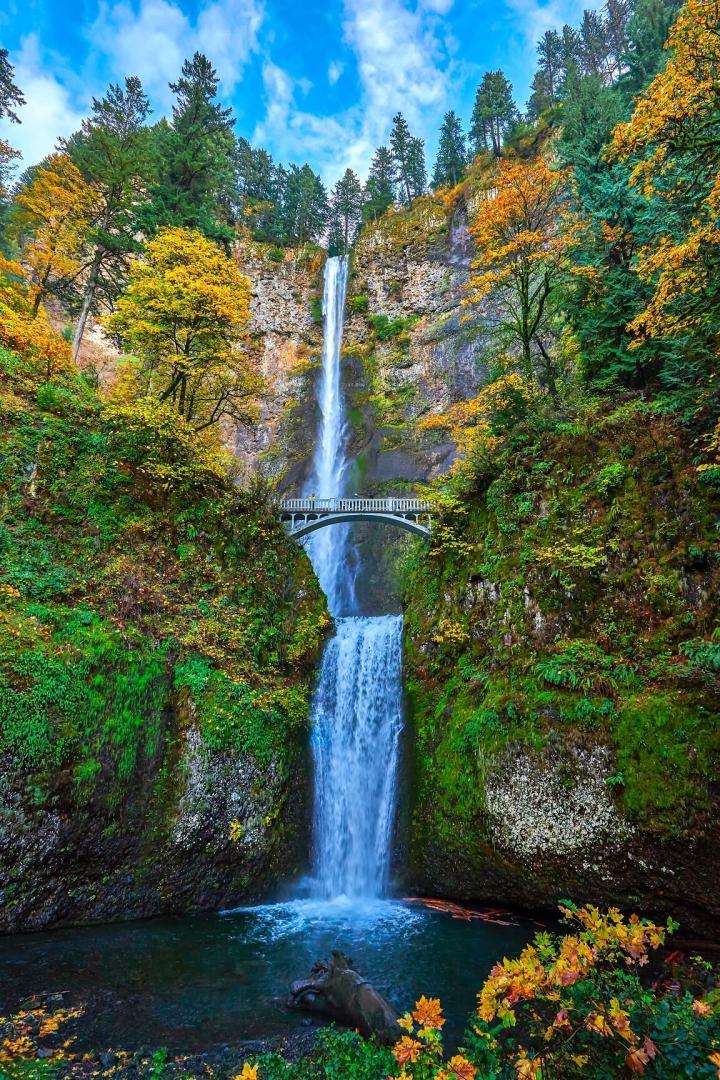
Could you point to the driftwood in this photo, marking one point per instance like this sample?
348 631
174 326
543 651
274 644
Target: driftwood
335 989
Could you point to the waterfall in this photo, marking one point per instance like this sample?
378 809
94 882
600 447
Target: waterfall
357 707
329 549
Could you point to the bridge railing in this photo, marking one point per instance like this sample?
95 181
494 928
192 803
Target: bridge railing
336 506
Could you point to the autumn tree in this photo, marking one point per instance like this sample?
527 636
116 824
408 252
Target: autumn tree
379 193
523 240
51 220
672 143
452 153
184 319
494 112
112 151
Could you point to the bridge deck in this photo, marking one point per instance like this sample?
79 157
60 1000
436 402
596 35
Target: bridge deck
354 506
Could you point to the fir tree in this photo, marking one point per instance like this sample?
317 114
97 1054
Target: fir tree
196 155
452 153
10 96
305 206
380 186
346 206
112 151
409 159
494 113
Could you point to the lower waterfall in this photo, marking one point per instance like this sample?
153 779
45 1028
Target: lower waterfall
357 719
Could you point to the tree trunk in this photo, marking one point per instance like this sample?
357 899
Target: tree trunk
88 298
335 989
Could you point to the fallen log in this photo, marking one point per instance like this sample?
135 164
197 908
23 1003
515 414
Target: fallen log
335 989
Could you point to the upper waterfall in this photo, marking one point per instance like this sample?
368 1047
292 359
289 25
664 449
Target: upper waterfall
329 550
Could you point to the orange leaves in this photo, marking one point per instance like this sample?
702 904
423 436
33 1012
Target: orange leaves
714 1059
407 1050
641 1056
458 1068
428 1013
475 425
52 219
523 225
28 334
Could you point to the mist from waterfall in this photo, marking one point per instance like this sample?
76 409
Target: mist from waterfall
357 707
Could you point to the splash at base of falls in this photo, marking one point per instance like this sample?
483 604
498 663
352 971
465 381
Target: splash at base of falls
357 720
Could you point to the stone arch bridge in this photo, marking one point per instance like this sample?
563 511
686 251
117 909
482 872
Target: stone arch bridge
305 516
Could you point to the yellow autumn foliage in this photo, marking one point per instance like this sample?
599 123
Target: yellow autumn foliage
184 319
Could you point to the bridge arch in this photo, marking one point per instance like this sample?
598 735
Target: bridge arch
306 516
312 523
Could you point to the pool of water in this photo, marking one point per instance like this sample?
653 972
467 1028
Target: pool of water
192 983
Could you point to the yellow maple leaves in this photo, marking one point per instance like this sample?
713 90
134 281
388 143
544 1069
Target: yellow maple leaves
184 317
52 217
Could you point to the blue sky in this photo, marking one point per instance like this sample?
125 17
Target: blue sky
311 81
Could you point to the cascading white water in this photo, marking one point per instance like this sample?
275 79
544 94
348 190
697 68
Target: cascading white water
357 708
329 548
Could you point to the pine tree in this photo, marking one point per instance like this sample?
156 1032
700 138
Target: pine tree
346 206
196 156
10 99
452 153
550 65
380 186
408 158
494 112
305 208
112 151
647 32
416 168
10 96
593 46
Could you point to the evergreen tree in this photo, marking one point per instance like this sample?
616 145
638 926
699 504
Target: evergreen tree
593 45
112 152
408 154
494 112
196 157
617 14
416 169
10 96
346 206
647 32
380 186
305 206
619 222
452 153
550 66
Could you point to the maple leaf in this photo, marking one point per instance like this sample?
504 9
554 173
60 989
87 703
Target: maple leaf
428 1013
461 1069
714 1059
406 1022
406 1049
701 1008
249 1072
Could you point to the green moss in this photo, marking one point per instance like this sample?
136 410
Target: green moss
560 600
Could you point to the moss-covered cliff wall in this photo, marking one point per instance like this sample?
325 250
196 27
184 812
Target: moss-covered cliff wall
158 636
562 680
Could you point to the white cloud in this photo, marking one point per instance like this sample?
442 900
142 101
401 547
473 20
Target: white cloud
403 65
335 70
534 17
153 38
48 114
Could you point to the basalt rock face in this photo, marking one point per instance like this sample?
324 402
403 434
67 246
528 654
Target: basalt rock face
562 683
286 332
198 831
